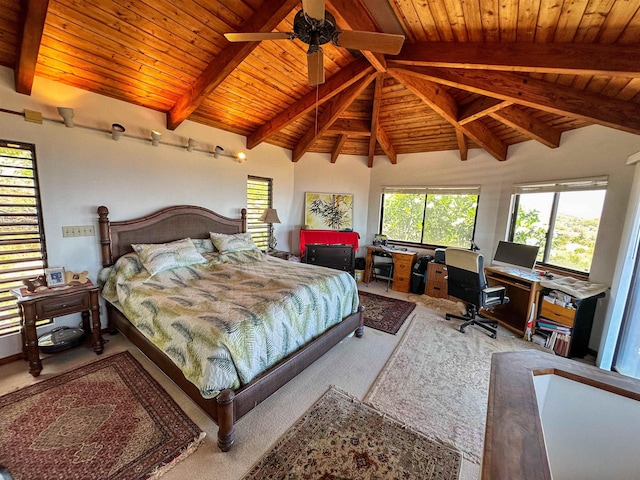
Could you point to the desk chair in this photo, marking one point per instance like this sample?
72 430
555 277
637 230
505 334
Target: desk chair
466 281
382 267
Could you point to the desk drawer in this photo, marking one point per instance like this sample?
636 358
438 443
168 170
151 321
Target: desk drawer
62 305
558 313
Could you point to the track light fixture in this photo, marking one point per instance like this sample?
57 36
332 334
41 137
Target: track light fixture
191 144
67 115
219 152
155 137
116 131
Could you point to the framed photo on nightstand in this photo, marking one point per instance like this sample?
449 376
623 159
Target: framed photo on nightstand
55 276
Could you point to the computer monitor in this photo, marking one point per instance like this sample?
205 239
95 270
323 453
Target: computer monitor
517 254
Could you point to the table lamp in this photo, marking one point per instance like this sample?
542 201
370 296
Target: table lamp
270 216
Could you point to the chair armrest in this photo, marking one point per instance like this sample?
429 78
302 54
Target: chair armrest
491 294
493 289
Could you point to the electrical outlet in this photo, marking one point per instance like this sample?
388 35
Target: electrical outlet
78 231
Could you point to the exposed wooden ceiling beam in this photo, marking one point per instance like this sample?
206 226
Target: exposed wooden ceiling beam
336 84
387 147
546 96
350 126
375 113
264 19
463 144
529 126
479 108
353 15
445 105
330 114
33 14
558 58
338 147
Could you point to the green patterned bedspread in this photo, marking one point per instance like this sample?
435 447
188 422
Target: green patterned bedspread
227 321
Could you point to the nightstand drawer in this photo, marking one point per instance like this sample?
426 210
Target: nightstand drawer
62 305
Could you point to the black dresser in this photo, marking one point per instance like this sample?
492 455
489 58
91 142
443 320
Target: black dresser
340 257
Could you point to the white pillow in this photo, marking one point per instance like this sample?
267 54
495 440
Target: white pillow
157 257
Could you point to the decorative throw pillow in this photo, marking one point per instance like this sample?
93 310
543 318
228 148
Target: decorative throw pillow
236 242
157 257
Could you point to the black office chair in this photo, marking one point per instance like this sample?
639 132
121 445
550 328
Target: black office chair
382 267
466 281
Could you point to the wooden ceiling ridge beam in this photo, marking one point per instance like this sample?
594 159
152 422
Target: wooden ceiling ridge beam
354 15
445 105
331 113
264 19
332 87
529 126
375 114
32 16
481 107
556 58
549 97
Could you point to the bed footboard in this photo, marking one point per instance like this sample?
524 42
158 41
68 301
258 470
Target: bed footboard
230 406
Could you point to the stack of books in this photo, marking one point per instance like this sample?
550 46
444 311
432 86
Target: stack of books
556 336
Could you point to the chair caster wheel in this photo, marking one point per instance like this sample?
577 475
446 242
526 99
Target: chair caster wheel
447 317
461 330
494 336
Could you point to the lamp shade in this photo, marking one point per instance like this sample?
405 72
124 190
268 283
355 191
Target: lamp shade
270 215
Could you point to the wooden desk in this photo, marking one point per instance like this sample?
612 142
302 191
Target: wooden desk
523 290
403 264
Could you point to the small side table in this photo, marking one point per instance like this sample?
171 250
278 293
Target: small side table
57 302
278 254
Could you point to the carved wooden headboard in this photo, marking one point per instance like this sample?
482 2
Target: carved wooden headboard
166 225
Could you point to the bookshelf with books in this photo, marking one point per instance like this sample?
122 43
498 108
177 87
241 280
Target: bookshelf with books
564 323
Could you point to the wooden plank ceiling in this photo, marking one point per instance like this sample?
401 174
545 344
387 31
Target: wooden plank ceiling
474 74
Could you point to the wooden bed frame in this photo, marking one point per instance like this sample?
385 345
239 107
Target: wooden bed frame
174 223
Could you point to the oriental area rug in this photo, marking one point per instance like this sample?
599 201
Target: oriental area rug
437 381
106 420
340 438
384 313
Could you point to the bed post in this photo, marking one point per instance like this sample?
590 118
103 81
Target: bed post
359 332
105 237
243 216
226 430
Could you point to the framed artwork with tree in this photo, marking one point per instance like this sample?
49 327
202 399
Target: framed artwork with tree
330 211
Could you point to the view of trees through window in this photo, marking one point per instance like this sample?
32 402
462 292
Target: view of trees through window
570 220
442 219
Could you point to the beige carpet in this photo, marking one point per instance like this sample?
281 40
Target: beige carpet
437 381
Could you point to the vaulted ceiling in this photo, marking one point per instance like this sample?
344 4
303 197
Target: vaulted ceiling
471 74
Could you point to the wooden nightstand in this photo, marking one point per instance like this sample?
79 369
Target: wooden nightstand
278 254
56 303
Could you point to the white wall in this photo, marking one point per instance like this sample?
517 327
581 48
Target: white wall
81 169
315 173
585 152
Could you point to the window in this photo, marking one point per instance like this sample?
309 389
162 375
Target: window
22 248
430 215
562 218
259 198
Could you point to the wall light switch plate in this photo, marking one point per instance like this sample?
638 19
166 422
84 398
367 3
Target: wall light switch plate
79 231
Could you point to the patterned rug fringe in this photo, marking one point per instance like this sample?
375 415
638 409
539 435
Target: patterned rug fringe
188 450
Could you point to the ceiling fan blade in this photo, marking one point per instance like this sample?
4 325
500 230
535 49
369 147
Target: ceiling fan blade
256 37
314 9
315 67
386 43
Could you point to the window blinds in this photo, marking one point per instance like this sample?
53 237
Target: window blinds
463 190
574 185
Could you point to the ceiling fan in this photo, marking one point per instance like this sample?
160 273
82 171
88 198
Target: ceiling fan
315 26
